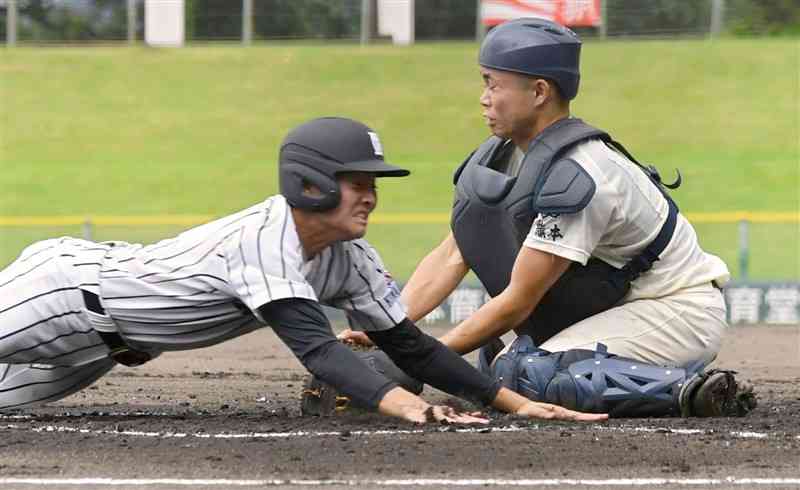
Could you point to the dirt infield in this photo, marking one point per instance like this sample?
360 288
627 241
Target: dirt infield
228 416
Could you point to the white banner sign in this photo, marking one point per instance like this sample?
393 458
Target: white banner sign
164 23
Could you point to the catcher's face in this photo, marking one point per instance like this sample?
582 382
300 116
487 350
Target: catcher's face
359 198
509 103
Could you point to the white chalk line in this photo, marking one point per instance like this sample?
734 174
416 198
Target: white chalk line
285 435
137 414
404 482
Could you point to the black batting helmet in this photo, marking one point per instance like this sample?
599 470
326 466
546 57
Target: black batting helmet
536 47
314 152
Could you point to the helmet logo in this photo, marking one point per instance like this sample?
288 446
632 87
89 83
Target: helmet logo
376 143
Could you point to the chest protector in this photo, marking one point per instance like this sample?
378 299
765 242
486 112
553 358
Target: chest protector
493 214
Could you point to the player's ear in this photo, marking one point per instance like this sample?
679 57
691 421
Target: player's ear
542 91
545 91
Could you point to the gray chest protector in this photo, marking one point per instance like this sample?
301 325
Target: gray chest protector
493 214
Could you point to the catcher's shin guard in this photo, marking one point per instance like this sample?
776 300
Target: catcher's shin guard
595 381
319 398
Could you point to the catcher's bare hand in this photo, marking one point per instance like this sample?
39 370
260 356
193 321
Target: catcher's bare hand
352 337
537 410
442 414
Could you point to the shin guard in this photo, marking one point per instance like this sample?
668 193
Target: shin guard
592 381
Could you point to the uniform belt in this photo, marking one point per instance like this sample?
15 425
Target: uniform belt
120 351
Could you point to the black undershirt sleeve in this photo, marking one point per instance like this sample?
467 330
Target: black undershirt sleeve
428 360
303 327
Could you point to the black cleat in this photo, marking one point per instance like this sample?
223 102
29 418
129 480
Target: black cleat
716 393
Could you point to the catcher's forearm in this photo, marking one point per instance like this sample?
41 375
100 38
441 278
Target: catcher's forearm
508 401
436 276
492 320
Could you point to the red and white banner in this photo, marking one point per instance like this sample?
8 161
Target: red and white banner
580 13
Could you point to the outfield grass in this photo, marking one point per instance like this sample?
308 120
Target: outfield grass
402 246
196 130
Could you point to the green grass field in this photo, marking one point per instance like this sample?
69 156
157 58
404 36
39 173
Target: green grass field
117 130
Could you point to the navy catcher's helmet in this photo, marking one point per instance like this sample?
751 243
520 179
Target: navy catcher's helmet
314 152
535 47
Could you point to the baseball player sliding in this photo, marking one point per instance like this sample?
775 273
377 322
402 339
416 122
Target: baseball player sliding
71 309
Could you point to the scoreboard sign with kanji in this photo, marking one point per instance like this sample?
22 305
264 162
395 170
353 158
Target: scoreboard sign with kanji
777 304
574 13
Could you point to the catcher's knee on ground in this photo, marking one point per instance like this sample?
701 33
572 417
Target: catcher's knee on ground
595 381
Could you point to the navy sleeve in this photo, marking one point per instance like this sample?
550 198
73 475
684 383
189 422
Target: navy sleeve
302 326
428 360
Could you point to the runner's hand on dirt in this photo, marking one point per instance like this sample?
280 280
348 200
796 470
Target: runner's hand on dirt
536 410
352 337
442 414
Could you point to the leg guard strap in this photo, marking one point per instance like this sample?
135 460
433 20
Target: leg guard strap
625 388
591 381
487 353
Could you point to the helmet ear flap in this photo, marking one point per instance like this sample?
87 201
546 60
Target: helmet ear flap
293 179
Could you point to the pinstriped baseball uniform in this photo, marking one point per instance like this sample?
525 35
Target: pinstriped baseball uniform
197 289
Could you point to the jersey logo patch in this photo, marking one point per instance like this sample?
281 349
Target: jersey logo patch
554 233
545 227
392 290
376 143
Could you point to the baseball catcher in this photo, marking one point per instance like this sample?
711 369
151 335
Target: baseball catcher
589 257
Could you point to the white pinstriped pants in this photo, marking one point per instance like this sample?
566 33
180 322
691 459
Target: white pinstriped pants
48 350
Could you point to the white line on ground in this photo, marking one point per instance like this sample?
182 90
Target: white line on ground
404 482
734 433
133 413
284 435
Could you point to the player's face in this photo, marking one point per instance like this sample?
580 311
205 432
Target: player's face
508 104
359 198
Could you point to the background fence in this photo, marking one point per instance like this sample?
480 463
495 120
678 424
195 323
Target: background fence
60 21
744 240
759 293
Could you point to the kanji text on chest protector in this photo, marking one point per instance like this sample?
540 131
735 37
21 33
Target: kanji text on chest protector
491 203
